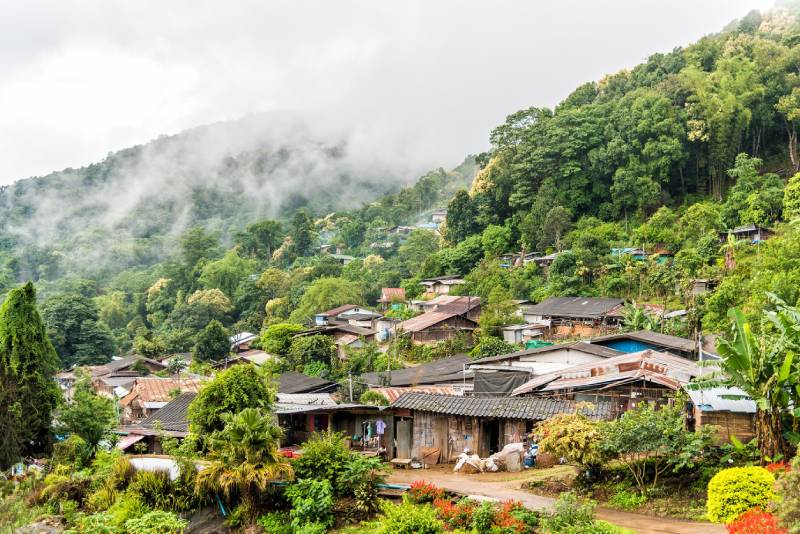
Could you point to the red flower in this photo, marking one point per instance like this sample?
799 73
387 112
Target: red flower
422 492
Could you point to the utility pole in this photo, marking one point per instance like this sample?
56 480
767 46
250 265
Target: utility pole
350 380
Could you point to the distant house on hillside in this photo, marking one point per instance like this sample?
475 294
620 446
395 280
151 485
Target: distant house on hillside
439 215
445 321
577 316
340 314
391 296
171 420
752 233
441 285
241 341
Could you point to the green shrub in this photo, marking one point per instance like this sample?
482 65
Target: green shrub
73 452
102 499
361 476
734 491
569 515
788 511
409 518
154 487
312 501
276 523
325 457
127 506
100 523
374 398
311 528
483 518
627 500
157 522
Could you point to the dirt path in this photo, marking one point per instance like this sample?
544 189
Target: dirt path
503 486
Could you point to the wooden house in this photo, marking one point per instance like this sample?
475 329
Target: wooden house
442 285
577 316
171 420
459 316
440 427
734 417
624 380
751 233
151 393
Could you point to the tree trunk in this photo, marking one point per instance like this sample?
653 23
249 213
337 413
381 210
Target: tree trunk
791 132
769 432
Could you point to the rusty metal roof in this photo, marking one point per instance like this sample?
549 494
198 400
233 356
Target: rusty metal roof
659 367
394 393
577 307
529 408
155 389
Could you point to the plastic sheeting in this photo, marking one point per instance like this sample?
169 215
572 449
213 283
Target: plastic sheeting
498 383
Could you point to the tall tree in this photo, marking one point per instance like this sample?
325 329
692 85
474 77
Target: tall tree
302 233
461 215
212 343
28 393
87 414
78 335
197 244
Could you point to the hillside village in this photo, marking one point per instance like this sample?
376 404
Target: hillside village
592 327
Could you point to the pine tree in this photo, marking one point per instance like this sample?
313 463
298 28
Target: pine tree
28 393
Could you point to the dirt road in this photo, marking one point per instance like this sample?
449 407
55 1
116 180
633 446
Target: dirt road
504 486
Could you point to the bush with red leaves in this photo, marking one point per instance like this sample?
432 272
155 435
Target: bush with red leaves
422 492
756 522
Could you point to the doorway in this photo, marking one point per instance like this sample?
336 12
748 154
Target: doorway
490 432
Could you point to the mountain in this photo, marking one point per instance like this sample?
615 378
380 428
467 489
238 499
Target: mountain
125 210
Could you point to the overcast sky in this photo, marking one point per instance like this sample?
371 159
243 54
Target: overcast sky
429 79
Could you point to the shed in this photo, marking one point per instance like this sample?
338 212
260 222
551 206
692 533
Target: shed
730 409
442 284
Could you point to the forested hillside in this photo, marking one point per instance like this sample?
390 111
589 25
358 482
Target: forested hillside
143 251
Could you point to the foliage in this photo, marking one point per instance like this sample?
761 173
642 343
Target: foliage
491 346
88 415
276 523
627 500
156 522
73 452
212 343
28 394
244 458
277 338
788 488
308 349
324 294
569 513
231 391
422 492
571 436
648 440
74 327
736 490
755 522
325 457
374 398
361 475
409 518
312 501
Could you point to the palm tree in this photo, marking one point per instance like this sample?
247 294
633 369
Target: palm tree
245 458
760 367
729 249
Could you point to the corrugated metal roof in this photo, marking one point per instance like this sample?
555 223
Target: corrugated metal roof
171 417
711 400
293 382
443 312
581 346
661 367
444 370
392 394
654 338
388 294
592 307
529 408
156 389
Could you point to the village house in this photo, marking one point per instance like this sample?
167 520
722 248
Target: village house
437 428
702 285
241 342
151 393
441 285
340 314
734 417
624 380
113 379
751 233
171 421
501 374
344 335
252 356
645 339
516 334
543 262
302 414
392 297
577 316
446 321
439 216
447 371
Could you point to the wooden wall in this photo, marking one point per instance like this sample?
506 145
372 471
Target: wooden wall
740 425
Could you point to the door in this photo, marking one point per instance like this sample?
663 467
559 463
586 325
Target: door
403 433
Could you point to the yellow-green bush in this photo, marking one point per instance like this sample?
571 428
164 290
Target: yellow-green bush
734 491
